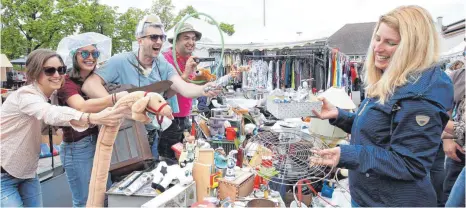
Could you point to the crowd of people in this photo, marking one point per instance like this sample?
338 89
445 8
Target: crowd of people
412 107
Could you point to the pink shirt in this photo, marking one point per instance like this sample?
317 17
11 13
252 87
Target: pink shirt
22 117
184 103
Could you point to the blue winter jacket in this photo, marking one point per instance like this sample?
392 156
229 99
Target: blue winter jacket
393 145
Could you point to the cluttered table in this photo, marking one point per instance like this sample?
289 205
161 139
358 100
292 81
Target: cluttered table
243 155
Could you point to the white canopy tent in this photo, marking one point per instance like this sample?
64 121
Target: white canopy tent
457 50
257 38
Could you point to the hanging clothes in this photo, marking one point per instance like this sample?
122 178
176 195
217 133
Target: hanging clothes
257 76
270 77
297 74
283 75
277 74
292 75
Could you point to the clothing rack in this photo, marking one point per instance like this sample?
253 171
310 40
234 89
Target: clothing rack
311 57
285 56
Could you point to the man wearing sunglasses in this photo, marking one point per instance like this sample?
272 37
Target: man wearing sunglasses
145 66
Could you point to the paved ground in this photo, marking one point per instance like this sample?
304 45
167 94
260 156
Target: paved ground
45 166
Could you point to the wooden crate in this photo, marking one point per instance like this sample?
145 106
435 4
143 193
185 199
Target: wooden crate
242 186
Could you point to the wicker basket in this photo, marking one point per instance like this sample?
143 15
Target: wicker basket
292 110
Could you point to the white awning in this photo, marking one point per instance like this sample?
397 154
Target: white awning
5 62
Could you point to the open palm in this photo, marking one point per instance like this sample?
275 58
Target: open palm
328 111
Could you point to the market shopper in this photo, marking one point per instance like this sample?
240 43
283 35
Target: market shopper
453 137
21 119
144 67
184 48
395 133
82 52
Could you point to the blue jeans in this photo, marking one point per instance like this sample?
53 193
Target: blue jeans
456 198
452 170
155 146
77 159
17 192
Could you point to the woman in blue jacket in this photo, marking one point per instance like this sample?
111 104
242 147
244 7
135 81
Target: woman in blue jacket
396 132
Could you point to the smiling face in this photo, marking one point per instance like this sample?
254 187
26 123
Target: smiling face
185 43
53 82
385 43
85 58
149 47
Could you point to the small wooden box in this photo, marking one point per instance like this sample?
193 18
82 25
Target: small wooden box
242 186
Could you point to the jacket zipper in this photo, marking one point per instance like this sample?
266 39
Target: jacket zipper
357 118
363 107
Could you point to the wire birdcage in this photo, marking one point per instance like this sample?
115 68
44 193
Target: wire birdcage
282 156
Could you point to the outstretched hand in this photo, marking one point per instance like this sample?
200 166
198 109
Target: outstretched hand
109 117
328 157
215 90
328 111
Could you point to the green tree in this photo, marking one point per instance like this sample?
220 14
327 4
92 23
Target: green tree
188 10
39 22
94 17
125 27
13 42
164 9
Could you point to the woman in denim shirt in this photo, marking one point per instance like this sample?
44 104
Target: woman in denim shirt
396 132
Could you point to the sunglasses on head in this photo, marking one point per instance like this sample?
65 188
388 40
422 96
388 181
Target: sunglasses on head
156 37
50 71
85 54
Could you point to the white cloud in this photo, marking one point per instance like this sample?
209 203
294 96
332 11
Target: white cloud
315 19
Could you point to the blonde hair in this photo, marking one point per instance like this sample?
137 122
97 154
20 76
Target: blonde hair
417 51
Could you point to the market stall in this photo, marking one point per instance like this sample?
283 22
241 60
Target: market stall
251 145
244 151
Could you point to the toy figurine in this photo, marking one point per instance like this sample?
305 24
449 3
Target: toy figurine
220 158
204 75
230 174
165 173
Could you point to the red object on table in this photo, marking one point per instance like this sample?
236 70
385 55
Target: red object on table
177 148
230 133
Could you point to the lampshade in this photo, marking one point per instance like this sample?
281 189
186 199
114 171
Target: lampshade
339 98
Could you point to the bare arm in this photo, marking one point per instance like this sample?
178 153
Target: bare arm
94 87
449 128
93 105
188 90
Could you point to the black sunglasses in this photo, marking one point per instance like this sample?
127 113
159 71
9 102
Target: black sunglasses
156 37
85 54
50 71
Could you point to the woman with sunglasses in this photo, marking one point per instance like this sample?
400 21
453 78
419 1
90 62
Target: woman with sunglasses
22 116
82 52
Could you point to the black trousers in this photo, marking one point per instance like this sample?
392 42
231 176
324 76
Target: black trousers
172 135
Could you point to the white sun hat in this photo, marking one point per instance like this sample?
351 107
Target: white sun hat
68 46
